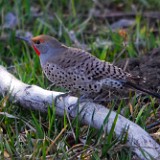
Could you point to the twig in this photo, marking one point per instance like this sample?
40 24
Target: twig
53 143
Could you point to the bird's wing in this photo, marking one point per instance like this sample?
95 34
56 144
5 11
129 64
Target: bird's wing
83 63
71 57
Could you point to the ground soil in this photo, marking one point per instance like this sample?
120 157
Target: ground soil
146 66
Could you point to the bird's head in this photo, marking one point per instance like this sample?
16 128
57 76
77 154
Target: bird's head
43 44
46 47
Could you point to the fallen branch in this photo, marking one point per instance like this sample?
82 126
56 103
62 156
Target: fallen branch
116 14
34 97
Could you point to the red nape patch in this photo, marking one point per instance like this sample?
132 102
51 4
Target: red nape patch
36 50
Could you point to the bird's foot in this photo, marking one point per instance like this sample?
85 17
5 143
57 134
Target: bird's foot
63 95
81 99
73 109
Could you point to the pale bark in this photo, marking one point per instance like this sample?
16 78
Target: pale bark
34 97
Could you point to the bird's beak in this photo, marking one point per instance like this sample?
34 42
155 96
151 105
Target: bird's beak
26 39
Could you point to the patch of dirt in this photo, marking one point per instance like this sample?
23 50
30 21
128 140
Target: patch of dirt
147 67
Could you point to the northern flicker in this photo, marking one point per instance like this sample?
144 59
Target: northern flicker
78 71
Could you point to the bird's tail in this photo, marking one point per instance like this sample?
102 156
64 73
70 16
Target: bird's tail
134 86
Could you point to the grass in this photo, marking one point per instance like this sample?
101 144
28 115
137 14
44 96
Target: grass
26 134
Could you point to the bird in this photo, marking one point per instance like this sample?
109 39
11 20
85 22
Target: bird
78 71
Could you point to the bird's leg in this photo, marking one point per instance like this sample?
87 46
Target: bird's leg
102 97
85 98
105 97
51 85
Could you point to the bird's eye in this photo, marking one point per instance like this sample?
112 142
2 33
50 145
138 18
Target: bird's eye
38 42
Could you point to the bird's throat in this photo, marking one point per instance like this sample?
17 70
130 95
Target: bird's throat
36 50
